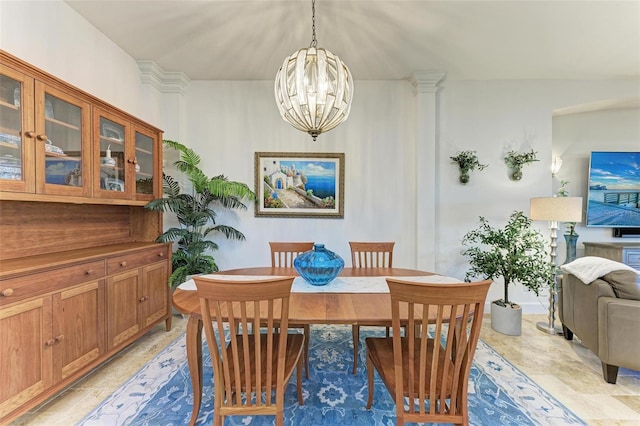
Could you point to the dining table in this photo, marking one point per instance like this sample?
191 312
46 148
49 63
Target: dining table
329 304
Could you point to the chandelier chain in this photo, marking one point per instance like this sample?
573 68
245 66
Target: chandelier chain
314 42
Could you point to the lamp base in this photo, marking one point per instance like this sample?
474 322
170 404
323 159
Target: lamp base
544 326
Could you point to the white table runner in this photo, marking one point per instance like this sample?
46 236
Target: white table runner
338 285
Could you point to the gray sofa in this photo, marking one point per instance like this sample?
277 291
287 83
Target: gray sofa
605 315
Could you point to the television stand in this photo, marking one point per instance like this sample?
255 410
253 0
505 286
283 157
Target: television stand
627 253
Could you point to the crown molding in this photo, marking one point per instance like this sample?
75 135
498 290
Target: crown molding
166 82
426 81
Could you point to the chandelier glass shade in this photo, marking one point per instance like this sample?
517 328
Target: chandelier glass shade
314 89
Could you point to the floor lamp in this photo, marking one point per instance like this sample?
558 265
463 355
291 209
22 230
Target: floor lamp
554 210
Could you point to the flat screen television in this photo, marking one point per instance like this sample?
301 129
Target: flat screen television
613 198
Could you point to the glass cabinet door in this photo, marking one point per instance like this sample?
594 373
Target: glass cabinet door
144 164
16 150
112 179
62 146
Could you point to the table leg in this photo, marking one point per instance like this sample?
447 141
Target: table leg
194 360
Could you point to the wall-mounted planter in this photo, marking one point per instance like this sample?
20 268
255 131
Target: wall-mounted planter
467 161
515 160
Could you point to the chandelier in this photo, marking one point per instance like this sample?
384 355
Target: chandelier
314 88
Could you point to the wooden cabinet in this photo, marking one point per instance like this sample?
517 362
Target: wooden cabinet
136 295
60 144
81 276
48 338
61 315
627 253
44 137
127 162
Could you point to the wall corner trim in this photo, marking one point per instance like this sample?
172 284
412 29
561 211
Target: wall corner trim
166 82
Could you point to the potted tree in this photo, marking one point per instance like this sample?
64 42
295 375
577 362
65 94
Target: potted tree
517 254
195 210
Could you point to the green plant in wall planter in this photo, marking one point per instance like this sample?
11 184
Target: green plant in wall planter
516 253
196 210
467 161
515 160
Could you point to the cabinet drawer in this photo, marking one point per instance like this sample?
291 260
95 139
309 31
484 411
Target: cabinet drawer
632 258
136 260
15 289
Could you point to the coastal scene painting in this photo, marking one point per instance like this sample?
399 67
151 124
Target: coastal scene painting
299 184
614 190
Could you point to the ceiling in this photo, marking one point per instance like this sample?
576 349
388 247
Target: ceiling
379 39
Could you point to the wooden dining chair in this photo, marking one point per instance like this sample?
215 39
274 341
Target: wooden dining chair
249 367
368 255
429 372
282 256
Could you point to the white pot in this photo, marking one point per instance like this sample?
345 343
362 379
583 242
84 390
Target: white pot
506 319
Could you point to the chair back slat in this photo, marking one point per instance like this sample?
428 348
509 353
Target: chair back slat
249 364
283 253
371 254
432 365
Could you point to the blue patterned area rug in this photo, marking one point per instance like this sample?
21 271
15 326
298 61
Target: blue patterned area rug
160 393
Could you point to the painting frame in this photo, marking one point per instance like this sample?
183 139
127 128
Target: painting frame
285 183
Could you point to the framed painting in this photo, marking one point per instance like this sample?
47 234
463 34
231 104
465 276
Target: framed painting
299 184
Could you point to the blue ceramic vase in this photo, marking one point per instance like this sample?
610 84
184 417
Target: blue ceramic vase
570 240
318 266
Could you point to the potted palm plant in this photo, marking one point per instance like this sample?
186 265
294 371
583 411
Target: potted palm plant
196 211
517 254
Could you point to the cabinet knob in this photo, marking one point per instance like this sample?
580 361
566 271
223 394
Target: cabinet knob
50 342
142 299
30 134
132 161
88 272
42 137
160 254
6 292
59 338
123 263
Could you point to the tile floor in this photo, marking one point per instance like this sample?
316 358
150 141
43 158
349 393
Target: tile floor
565 369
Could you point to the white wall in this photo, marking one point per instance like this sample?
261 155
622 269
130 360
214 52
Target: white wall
575 135
227 122
53 37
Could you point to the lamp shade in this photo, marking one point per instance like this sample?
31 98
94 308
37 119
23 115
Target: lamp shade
560 209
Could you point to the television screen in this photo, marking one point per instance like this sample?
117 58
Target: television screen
614 190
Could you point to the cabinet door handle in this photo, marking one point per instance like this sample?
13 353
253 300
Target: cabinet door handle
30 134
88 272
42 137
6 292
59 338
123 263
50 342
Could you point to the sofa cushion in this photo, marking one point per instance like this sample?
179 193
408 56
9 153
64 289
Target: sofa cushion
590 268
626 284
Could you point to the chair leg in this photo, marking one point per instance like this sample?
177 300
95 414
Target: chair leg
299 382
355 332
568 334
217 420
610 373
307 339
370 382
